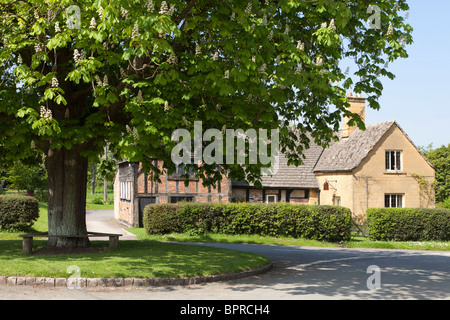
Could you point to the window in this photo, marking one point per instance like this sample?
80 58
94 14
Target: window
179 199
393 160
181 169
336 201
125 190
393 201
270 198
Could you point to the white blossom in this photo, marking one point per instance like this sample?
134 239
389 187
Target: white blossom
164 8
140 99
105 81
173 59
135 133
249 7
216 56
319 61
287 30
390 30
57 28
166 106
123 75
19 59
124 12
171 11
270 35
233 16
264 20
100 11
99 82
135 32
300 46
93 24
55 83
323 25
38 47
298 70
150 6
263 68
198 50
332 26
227 74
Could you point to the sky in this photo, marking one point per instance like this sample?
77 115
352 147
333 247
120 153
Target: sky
418 98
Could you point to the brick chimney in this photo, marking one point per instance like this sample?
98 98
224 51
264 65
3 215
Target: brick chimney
358 106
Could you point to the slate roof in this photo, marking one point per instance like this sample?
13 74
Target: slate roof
301 177
347 153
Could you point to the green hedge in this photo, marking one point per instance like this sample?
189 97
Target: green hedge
409 224
327 223
18 212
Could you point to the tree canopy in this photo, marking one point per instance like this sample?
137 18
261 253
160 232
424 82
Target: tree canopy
131 72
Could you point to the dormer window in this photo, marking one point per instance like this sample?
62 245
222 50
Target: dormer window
393 160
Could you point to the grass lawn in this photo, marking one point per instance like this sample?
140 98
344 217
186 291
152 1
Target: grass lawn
142 258
139 259
356 242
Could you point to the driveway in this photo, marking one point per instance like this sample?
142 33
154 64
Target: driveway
298 273
103 221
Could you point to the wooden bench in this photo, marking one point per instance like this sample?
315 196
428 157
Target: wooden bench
27 239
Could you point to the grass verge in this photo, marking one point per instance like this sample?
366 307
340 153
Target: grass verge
138 259
356 242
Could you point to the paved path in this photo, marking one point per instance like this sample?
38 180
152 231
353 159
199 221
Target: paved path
103 221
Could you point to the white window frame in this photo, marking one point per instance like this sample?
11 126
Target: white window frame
271 195
388 160
125 190
399 199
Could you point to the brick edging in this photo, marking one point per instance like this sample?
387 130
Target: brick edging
77 283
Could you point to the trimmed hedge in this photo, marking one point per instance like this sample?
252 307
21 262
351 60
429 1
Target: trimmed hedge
409 224
329 223
18 212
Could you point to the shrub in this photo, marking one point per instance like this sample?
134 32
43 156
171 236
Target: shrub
409 224
97 200
162 218
313 222
18 212
445 204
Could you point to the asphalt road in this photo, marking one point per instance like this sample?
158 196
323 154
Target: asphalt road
298 273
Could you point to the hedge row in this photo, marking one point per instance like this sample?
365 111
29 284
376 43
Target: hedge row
18 212
329 223
405 224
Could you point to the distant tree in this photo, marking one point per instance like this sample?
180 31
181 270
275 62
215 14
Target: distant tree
440 158
27 177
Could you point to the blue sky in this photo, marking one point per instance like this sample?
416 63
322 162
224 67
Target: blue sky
418 98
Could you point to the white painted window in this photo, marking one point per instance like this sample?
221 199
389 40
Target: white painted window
270 198
125 190
393 160
393 200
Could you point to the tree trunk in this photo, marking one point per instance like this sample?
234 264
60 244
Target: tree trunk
67 180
